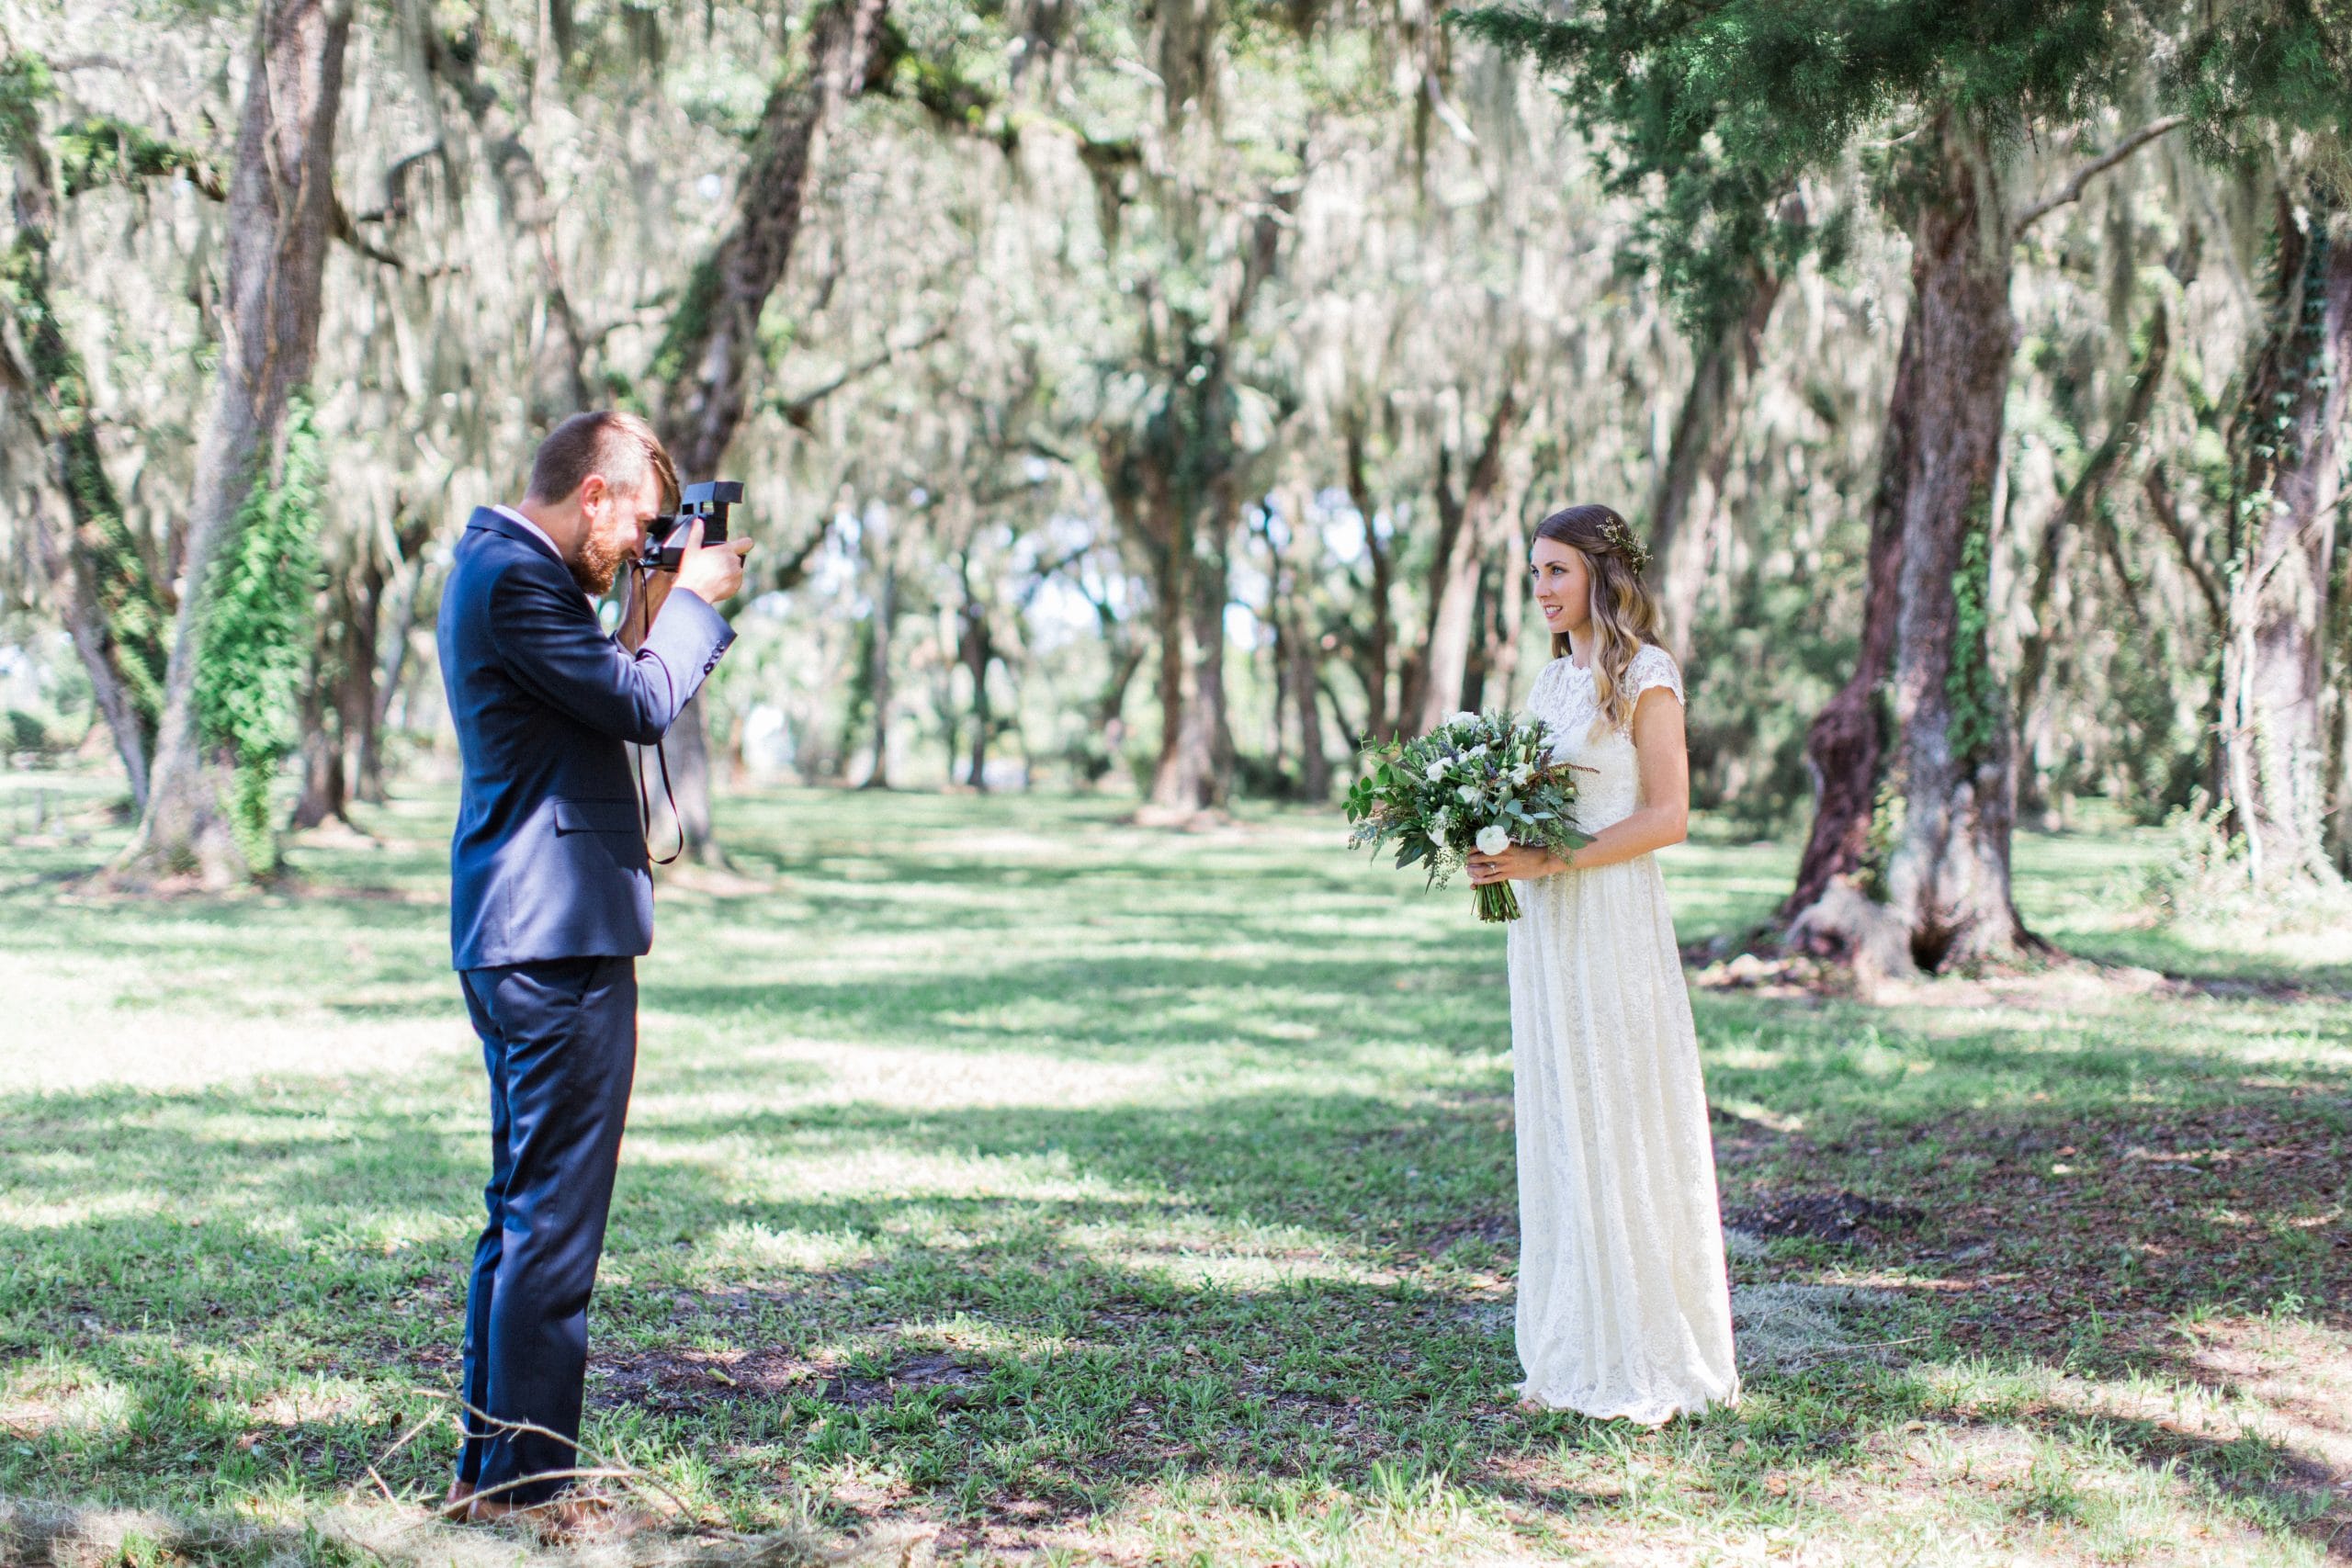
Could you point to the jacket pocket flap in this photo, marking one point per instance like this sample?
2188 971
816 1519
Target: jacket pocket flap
595 817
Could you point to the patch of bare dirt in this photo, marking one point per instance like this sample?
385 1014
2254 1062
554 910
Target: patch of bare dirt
1825 1216
675 1381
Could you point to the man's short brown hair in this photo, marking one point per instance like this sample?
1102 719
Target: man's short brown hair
620 446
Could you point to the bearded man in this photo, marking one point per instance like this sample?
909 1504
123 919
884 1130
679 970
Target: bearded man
552 902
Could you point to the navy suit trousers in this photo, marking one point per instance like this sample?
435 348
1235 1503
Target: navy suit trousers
559 1037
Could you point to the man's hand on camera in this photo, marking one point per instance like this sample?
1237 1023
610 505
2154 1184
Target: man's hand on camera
711 572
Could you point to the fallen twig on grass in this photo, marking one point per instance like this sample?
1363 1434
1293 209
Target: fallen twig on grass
593 1466
1841 1352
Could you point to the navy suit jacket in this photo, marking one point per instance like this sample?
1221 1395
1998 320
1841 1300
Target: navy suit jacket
548 858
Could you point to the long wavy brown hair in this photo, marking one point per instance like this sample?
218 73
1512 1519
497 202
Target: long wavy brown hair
1624 613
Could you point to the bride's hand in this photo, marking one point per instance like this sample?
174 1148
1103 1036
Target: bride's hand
1520 862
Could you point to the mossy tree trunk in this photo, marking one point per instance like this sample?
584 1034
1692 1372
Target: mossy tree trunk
703 365
1916 873
2282 565
1846 740
1468 513
110 605
1947 869
1704 430
280 221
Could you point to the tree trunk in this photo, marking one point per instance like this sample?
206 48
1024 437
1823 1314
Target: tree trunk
2087 493
395 620
1502 615
280 221
1704 429
1845 745
107 601
1378 642
1465 524
339 706
325 787
1948 874
1195 767
977 649
705 362
877 675
1298 649
2286 520
1171 486
1305 686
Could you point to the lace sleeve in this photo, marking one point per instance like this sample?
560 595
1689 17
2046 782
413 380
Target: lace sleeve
1653 666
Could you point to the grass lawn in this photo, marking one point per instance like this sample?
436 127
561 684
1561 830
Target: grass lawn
1009 1184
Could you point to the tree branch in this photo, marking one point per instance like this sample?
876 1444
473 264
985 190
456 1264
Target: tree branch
2072 190
797 411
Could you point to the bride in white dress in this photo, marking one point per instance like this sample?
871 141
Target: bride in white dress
1623 1305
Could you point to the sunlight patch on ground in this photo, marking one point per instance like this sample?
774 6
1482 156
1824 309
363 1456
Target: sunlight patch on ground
89 1046
742 1250
60 1397
816 1172
842 1072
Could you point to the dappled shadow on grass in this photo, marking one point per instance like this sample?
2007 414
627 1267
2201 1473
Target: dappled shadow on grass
136 1356
2082 1231
2272 1483
1113 1008
2212 972
1366 1170
1132 1362
1090 1361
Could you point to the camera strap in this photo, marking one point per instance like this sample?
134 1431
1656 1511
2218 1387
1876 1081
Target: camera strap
661 757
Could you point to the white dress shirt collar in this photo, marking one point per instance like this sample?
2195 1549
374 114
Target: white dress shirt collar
536 532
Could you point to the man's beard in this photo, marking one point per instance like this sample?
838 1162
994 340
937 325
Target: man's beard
598 562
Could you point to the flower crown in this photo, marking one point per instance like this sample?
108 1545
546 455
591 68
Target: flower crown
1618 534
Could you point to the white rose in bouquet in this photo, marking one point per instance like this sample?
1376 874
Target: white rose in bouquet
1493 840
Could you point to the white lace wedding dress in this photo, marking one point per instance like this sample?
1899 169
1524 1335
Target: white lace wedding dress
1623 1305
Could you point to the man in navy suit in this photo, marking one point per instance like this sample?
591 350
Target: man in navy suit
551 901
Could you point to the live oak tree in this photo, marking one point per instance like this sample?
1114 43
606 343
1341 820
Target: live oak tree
2271 84
1440 347
1908 860
106 593
706 364
282 215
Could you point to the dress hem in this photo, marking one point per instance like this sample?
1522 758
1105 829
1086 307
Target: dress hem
1641 1415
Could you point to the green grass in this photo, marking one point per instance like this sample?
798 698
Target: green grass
1070 1192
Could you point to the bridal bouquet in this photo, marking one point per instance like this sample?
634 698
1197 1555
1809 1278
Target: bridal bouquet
1478 781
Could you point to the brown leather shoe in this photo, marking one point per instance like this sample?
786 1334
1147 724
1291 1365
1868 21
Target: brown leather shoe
458 1504
564 1518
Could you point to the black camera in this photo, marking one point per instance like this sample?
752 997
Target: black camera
665 536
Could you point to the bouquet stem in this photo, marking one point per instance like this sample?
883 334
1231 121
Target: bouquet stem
1497 902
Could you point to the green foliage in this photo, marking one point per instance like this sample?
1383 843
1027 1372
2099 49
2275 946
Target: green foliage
1764 657
688 331
25 731
100 149
1712 111
1888 808
1977 718
25 85
2259 67
256 632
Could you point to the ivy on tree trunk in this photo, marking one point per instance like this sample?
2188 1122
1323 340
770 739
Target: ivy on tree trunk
2282 564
